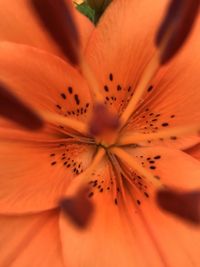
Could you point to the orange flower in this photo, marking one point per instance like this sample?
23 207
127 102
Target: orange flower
123 170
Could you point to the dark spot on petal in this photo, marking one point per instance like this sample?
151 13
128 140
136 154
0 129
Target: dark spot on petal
150 88
165 124
77 99
173 137
106 88
119 88
138 202
70 89
63 95
157 157
58 106
152 167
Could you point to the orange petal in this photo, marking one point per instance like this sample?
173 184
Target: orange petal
119 235
30 178
44 81
173 97
31 240
108 239
174 168
13 27
34 177
171 237
122 45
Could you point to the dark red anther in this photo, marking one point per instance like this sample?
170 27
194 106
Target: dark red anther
56 16
183 205
178 23
78 209
12 108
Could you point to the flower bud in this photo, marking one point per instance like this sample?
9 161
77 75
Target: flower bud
99 6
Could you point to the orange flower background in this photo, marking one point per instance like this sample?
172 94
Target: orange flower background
40 168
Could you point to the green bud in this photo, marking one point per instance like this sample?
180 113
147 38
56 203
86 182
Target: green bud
98 6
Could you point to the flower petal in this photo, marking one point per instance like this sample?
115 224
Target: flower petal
172 167
44 81
173 97
121 234
33 178
108 241
122 45
13 27
31 240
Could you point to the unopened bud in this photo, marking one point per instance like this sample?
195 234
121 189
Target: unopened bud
98 5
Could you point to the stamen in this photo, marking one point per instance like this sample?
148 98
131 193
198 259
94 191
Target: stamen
185 205
173 132
16 110
77 206
58 19
58 119
178 22
135 165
